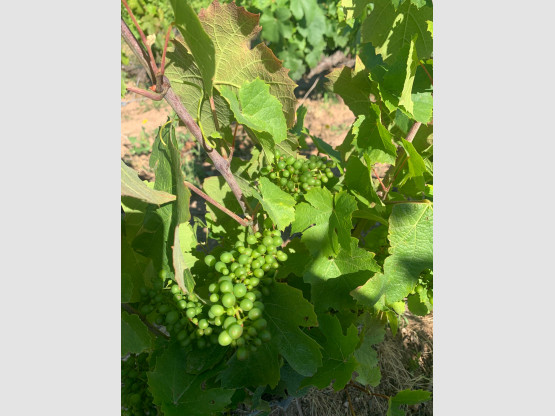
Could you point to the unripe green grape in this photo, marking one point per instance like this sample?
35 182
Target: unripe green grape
240 271
200 332
246 304
419 289
240 290
242 353
198 310
257 342
273 175
228 300
190 313
281 165
329 174
224 339
213 287
242 259
210 260
278 241
214 298
250 296
218 321
268 241
172 317
165 308
178 296
217 310
255 281
277 154
305 186
324 179
229 321
195 320
258 304
175 289
266 267
261 248
285 174
260 324
256 263
251 239
226 257
226 286
208 331
182 335
210 314
182 304
248 252
258 273
230 311
281 256
234 266
290 185
252 332
272 250
203 324
235 331
254 314
219 266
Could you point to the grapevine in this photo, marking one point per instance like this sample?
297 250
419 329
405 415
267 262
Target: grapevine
292 274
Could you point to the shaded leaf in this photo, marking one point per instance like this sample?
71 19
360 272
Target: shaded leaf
133 186
135 337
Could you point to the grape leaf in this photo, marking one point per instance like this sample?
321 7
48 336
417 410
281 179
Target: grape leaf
231 29
354 87
325 268
159 222
183 275
132 186
277 203
417 306
367 367
338 362
416 165
285 310
199 43
179 393
135 337
329 219
358 180
314 18
335 293
389 29
325 148
260 111
411 252
407 397
259 369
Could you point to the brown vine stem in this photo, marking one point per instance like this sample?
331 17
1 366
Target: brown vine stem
379 180
351 384
216 204
130 309
163 64
149 94
220 163
153 66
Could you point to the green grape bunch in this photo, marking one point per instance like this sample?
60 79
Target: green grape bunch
245 275
297 175
135 394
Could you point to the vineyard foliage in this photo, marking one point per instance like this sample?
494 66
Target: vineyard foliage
297 288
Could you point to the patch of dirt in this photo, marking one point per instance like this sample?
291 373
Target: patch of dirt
330 120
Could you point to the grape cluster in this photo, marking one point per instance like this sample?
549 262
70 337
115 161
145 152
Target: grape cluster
297 175
135 395
235 299
233 313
